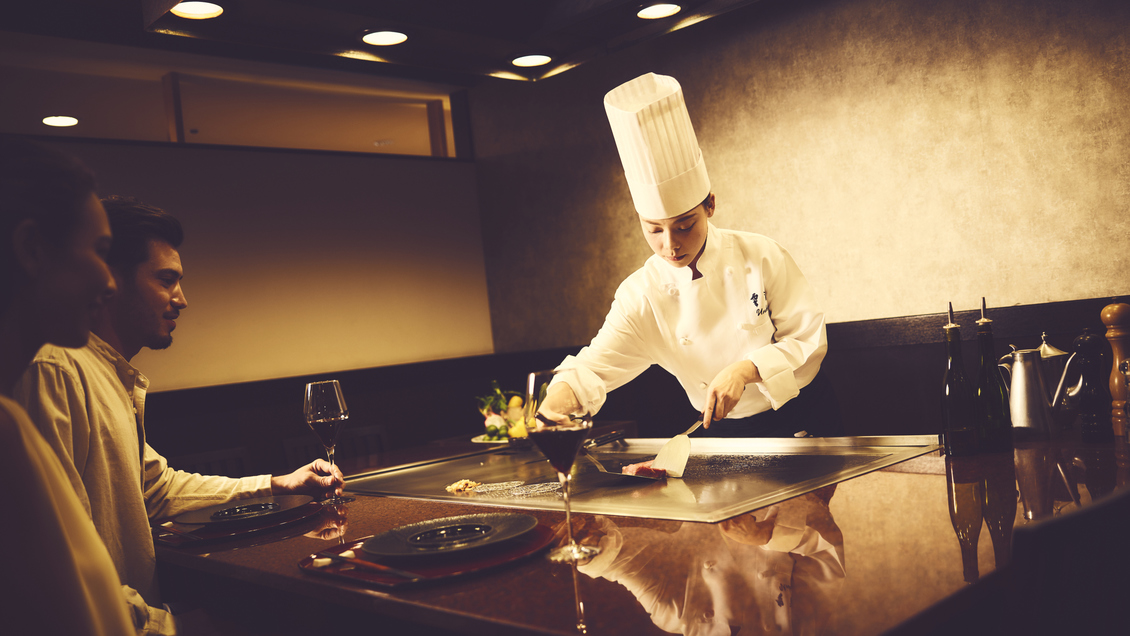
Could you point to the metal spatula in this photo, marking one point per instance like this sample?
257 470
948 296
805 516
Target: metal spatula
674 454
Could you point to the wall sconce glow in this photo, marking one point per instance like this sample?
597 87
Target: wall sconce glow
656 11
527 61
197 10
60 121
383 38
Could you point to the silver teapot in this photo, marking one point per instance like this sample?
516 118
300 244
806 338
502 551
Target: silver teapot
1029 398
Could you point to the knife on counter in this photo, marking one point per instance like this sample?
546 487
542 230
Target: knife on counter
675 453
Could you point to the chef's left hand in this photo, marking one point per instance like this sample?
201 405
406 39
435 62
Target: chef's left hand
748 530
560 400
318 479
726 389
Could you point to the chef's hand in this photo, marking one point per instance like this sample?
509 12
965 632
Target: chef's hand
726 389
748 530
559 400
318 479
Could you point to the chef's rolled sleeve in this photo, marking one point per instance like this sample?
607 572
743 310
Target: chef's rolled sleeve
778 384
586 384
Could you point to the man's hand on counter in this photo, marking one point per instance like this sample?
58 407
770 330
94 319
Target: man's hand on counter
318 479
332 523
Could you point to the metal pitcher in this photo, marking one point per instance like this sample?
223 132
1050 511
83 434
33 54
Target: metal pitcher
1029 399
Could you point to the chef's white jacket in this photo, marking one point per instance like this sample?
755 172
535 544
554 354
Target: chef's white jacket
752 302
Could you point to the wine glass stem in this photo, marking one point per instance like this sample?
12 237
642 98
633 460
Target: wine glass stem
565 479
332 498
581 626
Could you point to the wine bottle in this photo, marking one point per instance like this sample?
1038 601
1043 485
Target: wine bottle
990 401
957 405
966 492
1000 503
1094 423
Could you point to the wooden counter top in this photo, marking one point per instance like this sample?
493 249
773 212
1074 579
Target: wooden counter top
877 551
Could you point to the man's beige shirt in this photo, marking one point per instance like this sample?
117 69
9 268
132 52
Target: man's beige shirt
89 403
58 577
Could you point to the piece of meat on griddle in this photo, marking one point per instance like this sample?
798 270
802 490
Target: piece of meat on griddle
644 469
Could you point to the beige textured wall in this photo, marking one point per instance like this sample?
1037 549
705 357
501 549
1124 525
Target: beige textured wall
907 153
301 263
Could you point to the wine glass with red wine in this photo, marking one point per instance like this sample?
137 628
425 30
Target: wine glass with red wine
558 428
326 413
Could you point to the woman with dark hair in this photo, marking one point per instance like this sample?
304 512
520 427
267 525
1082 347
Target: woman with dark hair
59 578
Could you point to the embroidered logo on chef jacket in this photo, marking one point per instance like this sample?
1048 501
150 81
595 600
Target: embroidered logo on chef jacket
758 300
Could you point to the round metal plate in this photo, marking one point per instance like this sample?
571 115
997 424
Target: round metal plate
450 534
243 510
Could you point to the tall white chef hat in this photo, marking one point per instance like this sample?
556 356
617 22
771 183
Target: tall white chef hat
658 147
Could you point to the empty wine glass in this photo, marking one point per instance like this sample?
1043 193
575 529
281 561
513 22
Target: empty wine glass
559 427
325 413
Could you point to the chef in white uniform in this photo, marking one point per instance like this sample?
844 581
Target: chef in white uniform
728 313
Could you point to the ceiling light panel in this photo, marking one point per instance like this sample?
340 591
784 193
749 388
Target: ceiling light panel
197 10
384 38
658 11
60 121
529 61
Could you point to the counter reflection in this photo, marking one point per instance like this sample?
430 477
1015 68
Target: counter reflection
1038 480
779 569
982 492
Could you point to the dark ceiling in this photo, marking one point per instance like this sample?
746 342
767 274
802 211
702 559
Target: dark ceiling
458 42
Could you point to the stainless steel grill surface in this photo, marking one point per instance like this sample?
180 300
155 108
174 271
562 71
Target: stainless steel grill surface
723 478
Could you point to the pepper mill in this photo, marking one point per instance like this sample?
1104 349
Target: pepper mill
1116 317
1094 425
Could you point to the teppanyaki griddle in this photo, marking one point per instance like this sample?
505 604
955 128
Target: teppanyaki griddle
724 477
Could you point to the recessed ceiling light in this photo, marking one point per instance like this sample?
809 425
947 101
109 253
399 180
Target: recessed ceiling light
384 38
60 121
197 10
656 11
531 60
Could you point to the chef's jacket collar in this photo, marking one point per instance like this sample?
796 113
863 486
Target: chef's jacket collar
708 263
